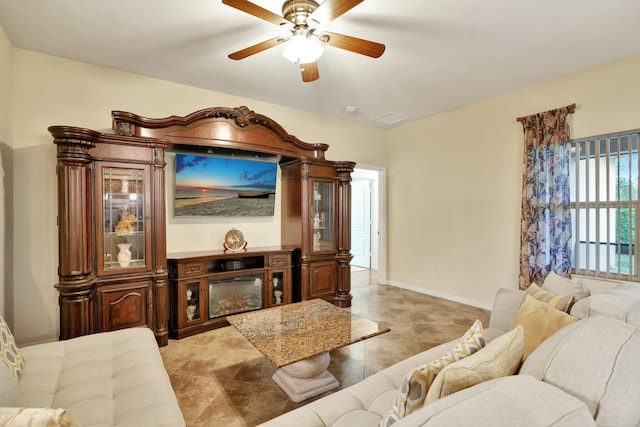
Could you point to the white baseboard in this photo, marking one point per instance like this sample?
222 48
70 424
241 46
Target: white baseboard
442 295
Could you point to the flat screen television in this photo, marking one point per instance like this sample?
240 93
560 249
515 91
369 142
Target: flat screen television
214 185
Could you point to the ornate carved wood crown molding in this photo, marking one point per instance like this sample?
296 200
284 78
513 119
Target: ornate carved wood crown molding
81 140
243 116
232 128
344 170
72 138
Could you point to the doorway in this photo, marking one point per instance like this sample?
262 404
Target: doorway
361 222
367 219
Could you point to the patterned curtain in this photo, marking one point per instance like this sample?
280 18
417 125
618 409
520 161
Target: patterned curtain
545 233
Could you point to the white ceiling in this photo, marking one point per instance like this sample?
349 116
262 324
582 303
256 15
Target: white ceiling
440 54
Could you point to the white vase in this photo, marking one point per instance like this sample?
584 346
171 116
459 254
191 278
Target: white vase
124 256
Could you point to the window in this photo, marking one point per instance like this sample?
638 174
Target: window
604 206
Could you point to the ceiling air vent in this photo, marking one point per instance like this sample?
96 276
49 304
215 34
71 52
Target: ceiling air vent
389 119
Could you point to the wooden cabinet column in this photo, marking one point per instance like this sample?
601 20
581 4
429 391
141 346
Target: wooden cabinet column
159 245
75 201
343 293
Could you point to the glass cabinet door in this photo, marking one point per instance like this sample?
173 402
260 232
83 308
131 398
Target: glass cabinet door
124 208
193 298
277 288
323 216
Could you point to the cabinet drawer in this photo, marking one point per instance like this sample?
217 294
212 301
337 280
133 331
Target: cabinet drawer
192 269
278 260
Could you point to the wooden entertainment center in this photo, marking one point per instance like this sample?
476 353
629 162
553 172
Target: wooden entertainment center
112 226
220 283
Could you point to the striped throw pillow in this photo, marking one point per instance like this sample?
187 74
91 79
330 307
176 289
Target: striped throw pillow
561 302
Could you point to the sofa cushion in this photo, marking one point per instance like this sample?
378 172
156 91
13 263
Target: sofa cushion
499 358
505 307
539 320
595 360
621 302
112 379
375 395
516 400
9 352
416 383
37 417
561 302
580 308
563 286
8 387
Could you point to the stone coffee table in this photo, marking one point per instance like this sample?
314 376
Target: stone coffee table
298 337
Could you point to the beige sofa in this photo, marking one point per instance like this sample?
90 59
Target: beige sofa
585 374
108 379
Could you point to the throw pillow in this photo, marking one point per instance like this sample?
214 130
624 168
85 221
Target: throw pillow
561 302
564 286
9 352
415 384
501 357
37 417
539 320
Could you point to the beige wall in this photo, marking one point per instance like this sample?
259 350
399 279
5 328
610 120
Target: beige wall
455 180
5 177
54 91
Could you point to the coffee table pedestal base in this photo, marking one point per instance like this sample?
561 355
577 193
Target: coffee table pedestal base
307 378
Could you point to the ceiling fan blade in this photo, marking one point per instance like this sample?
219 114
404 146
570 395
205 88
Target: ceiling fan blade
257 11
354 44
332 9
256 48
309 72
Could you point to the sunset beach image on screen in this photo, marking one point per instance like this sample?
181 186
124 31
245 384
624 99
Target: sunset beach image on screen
224 186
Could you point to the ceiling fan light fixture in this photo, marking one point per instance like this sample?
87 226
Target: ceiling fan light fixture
303 49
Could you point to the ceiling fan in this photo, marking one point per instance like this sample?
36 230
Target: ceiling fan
304 46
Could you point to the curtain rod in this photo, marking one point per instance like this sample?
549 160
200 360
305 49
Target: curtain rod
572 108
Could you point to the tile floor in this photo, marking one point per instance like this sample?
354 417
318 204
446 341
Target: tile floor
220 379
